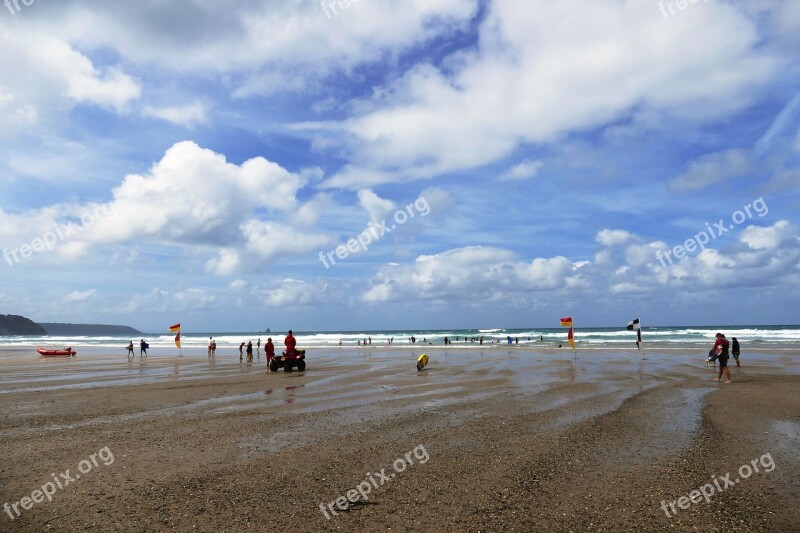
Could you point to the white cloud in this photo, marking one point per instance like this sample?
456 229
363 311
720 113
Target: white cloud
377 207
194 195
628 267
527 84
237 284
473 273
274 46
768 238
42 78
613 237
293 293
163 301
188 115
524 170
79 296
713 168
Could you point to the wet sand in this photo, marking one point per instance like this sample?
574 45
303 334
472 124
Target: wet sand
514 440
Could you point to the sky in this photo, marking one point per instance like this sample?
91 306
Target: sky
242 165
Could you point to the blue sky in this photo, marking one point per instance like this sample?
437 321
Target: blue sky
197 162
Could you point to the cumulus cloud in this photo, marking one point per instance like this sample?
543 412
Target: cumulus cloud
194 195
761 256
472 273
616 237
768 238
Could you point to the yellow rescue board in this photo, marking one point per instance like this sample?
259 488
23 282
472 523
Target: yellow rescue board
422 360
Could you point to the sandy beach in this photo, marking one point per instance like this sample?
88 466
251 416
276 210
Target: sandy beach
481 440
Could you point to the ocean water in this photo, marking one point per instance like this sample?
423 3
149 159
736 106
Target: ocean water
763 336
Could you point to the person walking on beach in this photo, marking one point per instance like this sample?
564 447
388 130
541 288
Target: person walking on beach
290 342
143 346
721 349
130 350
258 346
210 340
241 348
249 351
735 350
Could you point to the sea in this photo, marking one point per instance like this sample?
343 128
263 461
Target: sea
778 337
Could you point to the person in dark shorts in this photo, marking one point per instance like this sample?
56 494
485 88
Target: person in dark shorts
249 351
735 350
721 349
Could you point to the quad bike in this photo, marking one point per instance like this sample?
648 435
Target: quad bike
287 362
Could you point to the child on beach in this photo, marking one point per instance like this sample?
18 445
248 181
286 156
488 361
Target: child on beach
721 349
130 350
241 347
249 351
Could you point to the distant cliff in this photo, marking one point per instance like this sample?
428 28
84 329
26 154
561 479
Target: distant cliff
19 325
87 329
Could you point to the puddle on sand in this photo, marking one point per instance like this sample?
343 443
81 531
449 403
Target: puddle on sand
786 435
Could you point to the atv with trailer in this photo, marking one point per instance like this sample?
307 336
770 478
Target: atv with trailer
297 358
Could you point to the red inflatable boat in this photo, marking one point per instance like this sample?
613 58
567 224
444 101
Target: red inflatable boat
69 352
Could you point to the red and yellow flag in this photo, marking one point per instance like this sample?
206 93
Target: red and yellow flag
571 337
176 328
566 322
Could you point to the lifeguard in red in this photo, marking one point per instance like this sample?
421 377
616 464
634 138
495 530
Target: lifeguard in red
290 343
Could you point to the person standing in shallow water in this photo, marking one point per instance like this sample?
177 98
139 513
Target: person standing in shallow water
735 350
721 348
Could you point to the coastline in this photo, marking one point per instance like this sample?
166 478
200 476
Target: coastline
516 440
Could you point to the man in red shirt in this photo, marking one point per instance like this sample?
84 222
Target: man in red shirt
290 343
269 349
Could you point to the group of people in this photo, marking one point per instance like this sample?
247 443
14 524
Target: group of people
269 348
143 346
720 353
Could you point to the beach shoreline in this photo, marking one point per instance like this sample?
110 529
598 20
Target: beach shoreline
518 440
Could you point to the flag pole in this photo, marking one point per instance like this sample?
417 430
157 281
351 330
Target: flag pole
641 343
574 351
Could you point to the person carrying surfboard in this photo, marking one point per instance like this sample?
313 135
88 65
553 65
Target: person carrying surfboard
143 346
